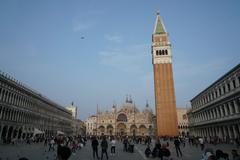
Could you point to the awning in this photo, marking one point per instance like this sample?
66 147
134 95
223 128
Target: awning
37 131
60 133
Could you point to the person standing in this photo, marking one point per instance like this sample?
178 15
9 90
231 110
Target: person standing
177 146
201 141
51 144
125 144
95 147
113 146
104 145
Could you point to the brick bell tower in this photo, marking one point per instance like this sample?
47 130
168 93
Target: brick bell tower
165 102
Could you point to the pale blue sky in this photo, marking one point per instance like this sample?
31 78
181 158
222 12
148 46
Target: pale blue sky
41 45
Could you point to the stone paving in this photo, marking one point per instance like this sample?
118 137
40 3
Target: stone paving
39 152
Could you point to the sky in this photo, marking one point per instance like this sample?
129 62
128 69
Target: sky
96 52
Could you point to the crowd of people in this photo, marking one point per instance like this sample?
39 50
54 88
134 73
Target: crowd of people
163 148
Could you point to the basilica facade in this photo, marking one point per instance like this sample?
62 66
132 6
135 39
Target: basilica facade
124 120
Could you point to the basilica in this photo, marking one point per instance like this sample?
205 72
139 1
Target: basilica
124 120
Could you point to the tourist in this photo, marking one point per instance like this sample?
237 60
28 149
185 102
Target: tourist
177 146
125 144
157 151
235 155
63 153
212 157
51 144
104 145
201 141
113 146
95 147
148 151
165 152
220 155
131 146
237 141
208 152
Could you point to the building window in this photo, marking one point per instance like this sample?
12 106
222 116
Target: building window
228 87
166 52
224 89
216 95
233 108
228 110
234 83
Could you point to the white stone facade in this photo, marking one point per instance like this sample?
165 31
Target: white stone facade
127 120
24 111
182 121
215 111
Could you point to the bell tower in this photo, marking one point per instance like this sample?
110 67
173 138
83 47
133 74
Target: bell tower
165 101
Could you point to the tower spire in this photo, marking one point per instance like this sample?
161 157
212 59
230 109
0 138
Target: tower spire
147 105
159 26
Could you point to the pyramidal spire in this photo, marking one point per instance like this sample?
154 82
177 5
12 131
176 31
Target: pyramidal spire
159 26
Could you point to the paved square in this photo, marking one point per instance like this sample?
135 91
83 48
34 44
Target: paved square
39 152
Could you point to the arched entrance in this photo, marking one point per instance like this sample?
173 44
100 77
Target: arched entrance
121 129
110 129
143 130
19 133
9 136
15 132
133 130
101 130
4 133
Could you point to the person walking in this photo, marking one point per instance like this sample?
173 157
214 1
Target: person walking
104 145
95 147
113 146
177 146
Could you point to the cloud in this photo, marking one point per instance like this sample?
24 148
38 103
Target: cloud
113 38
80 25
129 59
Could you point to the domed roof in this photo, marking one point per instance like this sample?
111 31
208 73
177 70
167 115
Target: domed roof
128 107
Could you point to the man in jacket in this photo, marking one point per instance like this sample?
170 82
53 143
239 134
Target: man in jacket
95 147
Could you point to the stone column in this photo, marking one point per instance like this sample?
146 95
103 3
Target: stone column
221 110
229 131
206 134
1 128
236 106
225 133
1 114
230 108
225 110
237 82
235 133
217 112
209 131
238 127
222 132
